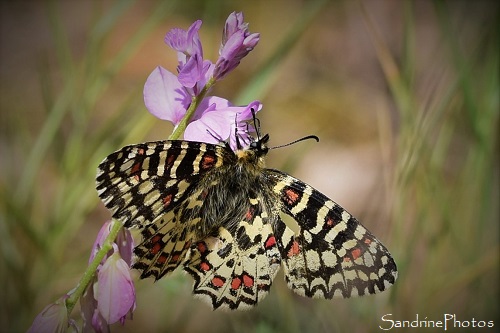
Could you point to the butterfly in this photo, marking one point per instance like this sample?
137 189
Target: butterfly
217 213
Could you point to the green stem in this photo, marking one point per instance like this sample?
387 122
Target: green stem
195 102
87 277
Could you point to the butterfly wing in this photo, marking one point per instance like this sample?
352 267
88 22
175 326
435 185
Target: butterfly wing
145 186
333 255
235 270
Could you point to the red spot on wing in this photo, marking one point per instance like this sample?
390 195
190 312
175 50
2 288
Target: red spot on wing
218 281
204 266
247 280
290 196
171 157
136 168
156 245
329 221
294 250
271 241
236 283
155 248
207 162
167 200
249 214
356 253
202 247
170 160
368 241
162 259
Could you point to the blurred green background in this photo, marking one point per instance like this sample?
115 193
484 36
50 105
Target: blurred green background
403 94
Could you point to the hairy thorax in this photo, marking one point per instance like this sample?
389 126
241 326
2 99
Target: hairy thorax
227 192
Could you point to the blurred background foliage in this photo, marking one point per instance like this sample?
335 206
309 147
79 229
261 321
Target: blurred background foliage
403 94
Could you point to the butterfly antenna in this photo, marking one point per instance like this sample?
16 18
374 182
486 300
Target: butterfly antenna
214 135
236 135
299 140
256 123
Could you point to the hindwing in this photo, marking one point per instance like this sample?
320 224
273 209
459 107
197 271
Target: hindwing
235 270
333 255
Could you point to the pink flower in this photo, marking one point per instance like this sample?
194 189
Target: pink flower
237 42
215 120
193 70
53 318
111 295
116 293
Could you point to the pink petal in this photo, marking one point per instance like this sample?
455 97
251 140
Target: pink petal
52 319
116 293
191 72
165 97
126 245
88 306
101 236
99 324
211 103
213 127
182 40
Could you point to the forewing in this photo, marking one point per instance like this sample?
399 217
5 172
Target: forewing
333 255
140 182
235 270
144 185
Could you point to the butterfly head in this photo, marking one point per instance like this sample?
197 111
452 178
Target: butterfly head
259 146
253 155
258 149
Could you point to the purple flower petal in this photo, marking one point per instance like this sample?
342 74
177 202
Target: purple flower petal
237 42
217 120
53 318
208 126
165 97
191 72
116 293
234 22
189 53
213 127
185 42
92 319
99 324
101 236
126 245
211 103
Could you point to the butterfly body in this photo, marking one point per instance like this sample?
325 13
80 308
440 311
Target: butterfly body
216 213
